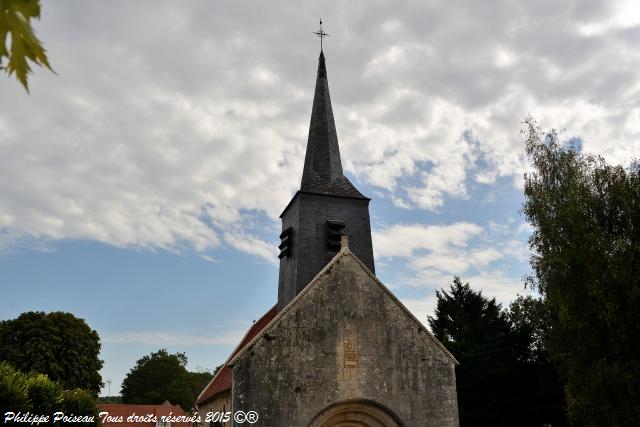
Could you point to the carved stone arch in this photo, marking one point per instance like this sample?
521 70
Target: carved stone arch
356 413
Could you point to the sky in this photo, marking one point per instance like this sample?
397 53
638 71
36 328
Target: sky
141 184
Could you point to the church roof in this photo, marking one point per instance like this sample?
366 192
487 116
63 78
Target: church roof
221 381
344 252
322 165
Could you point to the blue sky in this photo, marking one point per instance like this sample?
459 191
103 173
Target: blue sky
140 186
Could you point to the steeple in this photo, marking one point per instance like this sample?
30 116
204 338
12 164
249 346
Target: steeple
322 166
326 208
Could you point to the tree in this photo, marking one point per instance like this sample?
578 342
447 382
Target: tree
57 344
476 331
198 381
14 394
163 376
45 395
15 24
586 258
531 319
541 386
80 403
500 381
37 394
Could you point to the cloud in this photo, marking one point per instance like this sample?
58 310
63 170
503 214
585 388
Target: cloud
167 123
429 256
405 240
493 284
252 245
421 307
434 253
170 339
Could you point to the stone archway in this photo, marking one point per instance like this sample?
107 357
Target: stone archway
354 414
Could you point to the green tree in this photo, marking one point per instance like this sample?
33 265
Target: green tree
586 259
81 403
110 399
45 395
541 390
14 394
504 378
198 381
476 331
20 392
163 376
15 25
57 344
531 319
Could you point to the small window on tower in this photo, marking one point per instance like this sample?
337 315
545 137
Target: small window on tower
335 230
285 243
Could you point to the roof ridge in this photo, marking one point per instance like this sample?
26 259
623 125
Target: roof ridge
344 251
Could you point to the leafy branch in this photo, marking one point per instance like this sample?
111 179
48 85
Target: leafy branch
15 26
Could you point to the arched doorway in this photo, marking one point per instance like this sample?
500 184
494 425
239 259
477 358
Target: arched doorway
355 413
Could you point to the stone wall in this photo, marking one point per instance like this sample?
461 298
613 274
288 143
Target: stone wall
345 337
220 403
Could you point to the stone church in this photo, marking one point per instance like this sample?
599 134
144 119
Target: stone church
338 348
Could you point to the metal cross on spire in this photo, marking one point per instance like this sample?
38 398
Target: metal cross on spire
321 34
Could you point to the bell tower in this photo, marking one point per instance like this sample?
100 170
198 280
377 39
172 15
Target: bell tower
326 207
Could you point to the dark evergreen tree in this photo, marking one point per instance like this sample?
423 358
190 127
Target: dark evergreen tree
586 245
57 344
476 331
503 378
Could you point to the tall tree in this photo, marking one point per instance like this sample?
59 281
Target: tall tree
586 245
541 388
57 344
162 376
503 378
478 334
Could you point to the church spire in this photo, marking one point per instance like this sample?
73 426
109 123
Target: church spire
326 208
322 166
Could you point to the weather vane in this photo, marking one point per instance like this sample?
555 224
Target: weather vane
321 34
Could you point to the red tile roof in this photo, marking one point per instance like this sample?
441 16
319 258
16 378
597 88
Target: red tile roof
126 410
222 380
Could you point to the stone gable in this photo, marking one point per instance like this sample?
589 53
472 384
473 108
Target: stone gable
345 338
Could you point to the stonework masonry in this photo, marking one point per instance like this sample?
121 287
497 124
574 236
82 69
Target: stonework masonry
345 337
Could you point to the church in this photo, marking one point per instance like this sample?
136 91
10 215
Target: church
338 348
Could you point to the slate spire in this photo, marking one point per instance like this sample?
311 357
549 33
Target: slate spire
322 166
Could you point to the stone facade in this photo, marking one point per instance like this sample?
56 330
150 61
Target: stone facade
345 340
220 403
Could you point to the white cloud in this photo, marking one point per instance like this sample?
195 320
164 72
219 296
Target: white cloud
493 284
497 284
433 255
170 339
421 307
405 240
446 249
167 123
252 245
